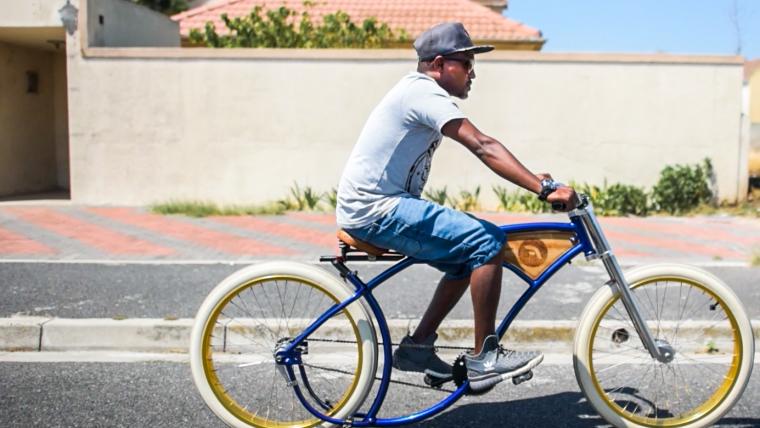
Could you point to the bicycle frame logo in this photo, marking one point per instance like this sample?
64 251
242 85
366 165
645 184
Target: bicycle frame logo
533 253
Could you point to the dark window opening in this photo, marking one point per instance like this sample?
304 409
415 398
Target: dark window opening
32 82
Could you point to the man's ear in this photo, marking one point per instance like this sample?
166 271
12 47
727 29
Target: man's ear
437 63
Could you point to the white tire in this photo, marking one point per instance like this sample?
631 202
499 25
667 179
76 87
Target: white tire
238 326
629 389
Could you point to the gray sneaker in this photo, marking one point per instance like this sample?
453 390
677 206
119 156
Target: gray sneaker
495 364
420 357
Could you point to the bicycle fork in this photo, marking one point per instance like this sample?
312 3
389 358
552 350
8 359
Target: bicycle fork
658 349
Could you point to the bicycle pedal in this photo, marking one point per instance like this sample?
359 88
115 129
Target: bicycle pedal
522 378
437 382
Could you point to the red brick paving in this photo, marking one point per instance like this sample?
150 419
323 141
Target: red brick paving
99 237
13 243
633 239
225 242
682 230
325 219
297 233
672 244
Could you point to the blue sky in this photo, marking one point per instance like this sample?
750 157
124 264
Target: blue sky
671 26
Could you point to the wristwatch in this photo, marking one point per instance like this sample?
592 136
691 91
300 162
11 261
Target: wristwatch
547 187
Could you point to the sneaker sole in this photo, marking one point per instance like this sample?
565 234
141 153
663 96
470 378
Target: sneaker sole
489 380
419 369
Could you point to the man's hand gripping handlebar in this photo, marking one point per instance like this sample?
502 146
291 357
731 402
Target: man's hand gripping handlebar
564 198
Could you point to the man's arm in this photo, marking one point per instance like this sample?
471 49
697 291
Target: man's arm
501 161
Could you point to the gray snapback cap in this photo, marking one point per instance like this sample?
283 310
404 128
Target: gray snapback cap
444 39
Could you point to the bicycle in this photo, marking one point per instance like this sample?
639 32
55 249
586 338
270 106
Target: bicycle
308 355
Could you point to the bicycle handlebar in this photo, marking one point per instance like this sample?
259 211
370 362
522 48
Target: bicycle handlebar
581 201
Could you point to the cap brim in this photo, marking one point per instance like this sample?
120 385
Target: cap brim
476 49
471 49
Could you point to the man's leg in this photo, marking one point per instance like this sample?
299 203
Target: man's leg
485 289
446 296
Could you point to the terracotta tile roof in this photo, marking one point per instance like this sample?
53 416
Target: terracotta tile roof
414 16
750 67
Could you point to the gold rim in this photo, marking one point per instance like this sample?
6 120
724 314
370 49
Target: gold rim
229 402
709 405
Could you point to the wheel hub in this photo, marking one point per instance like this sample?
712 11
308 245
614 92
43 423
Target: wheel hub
667 352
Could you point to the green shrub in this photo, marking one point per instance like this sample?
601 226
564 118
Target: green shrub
519 201
623 199
466 201
617 199
301 199
439 196
280 28
332 197
682 188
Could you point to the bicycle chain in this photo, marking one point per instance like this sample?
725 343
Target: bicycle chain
406 345
400 382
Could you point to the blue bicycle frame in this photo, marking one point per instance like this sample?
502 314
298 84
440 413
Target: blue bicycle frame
289 356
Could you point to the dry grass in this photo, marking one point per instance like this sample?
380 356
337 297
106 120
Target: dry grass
205 209
755 259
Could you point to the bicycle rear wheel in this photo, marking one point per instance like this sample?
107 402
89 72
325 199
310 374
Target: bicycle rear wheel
695 313
246 317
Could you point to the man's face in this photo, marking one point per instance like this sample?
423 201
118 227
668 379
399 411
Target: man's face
457 73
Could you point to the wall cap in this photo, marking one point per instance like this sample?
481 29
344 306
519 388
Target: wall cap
400 54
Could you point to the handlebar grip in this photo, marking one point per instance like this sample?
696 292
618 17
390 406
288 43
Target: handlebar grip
559 206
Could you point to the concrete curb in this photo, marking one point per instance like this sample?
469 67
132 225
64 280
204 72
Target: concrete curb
161 335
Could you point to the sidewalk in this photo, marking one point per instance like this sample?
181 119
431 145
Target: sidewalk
70 232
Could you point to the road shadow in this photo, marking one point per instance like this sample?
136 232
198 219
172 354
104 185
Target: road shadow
566 409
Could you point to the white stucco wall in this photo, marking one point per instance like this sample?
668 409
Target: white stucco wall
31 13
121 23
27 141
244 130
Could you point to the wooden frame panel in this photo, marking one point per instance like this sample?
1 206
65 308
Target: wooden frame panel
533 252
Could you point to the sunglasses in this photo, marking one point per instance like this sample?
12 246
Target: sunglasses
467 63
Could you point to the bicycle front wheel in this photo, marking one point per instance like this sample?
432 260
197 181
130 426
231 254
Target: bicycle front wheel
244 320
699 317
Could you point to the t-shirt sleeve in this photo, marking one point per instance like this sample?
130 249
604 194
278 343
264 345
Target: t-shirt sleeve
430 105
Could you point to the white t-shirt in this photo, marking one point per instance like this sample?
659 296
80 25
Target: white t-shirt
391 159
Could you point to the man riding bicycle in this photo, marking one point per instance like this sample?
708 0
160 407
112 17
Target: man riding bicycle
379 202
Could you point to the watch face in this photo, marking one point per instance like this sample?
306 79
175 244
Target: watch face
547 186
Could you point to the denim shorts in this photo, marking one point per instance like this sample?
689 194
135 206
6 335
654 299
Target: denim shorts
449 240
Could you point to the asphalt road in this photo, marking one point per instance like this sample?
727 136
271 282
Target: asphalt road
177 290
161 394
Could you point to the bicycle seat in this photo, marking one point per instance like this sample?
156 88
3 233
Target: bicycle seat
368 248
